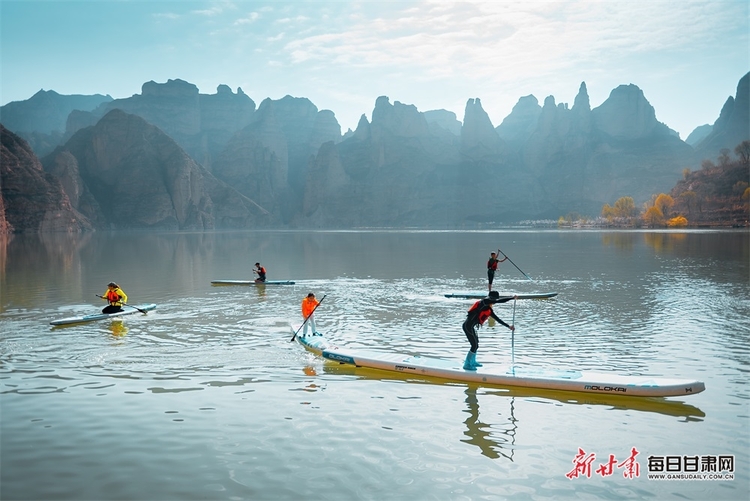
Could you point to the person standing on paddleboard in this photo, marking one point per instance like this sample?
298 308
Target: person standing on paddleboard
308 307
492 268
478 313
115 296
261 271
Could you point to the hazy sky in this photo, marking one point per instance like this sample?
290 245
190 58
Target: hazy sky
686 56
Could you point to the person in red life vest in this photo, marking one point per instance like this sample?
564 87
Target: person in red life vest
261 271
492 267
115 296
308 307
478 313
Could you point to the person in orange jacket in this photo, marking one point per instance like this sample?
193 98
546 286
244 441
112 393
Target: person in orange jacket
115 296
308 307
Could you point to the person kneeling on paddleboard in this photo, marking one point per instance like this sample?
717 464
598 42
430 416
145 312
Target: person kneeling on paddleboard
261 271
478 313
115 296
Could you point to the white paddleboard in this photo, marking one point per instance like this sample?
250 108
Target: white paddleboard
496 375
251 282
480 295
127 310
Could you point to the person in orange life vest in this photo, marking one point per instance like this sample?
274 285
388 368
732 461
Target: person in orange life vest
492 267
261 271
308 307
478 313
115 296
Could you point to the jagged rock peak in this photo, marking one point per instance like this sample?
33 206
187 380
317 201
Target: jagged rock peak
627 114
398 118
581 102
478 129
172 88
733 125
363 128
522 120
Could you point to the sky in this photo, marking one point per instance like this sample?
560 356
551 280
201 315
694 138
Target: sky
686 56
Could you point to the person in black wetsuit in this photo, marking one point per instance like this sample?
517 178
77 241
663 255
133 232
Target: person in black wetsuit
477 315
492 263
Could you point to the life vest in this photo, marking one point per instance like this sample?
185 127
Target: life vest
113 297
492 264
483 312
308 306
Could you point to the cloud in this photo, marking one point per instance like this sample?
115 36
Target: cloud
500 40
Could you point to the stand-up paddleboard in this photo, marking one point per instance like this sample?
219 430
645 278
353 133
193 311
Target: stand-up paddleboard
480 295
489 374
251 282
102 316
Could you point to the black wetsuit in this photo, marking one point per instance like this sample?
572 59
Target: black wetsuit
478 313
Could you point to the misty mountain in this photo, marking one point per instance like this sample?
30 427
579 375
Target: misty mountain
41 120
201 124
125 173
286 164
733 125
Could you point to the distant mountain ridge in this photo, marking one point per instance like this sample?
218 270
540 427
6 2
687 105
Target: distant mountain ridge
286 164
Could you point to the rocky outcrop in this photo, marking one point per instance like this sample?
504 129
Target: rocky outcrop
733 125
286 163
32 200
699 134
626 114
517 127
201 124
268 160
41 119
583 158
443 119
126 173
479 139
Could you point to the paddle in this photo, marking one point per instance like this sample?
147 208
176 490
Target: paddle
513 338
303 323
125 304
514 264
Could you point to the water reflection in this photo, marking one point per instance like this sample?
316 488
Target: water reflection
118 328
644 404
485 436
620 240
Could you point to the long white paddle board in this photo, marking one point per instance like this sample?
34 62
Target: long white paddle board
496 375
480 295
251 282
129 310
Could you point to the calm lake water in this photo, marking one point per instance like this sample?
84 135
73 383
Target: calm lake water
206 397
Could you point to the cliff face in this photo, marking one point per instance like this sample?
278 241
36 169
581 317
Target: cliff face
733 125
200 123
268 160
185 160
125 173
32 200
583 158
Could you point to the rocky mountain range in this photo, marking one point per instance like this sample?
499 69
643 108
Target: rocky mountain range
172 158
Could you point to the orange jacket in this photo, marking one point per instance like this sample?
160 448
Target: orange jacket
308 305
